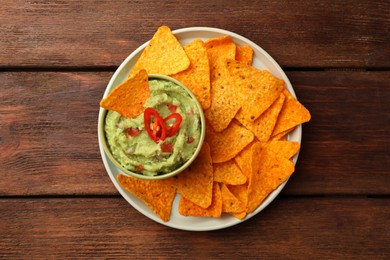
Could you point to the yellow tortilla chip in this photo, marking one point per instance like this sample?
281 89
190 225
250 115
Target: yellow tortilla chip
157 195
228 143
188 208
244 54
224 104
269 171
255 89
229 202
196 182
293 113
129 97
263 126
228 173
197 76
164 55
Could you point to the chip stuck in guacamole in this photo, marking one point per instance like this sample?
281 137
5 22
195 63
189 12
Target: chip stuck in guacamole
160 139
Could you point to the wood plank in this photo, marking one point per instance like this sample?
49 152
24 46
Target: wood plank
49 133
299 34
109 227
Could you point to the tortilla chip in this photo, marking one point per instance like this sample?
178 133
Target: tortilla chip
243 160
229 202
228 173
293 113
164 55
129 97
241 215
197 76
285 149
255 89
263 126
269 171
157 195
188 208
244 54
196 182
224 104
228 143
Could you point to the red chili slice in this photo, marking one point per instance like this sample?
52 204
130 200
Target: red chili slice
133 131
139 168
171 130
156 129
166 148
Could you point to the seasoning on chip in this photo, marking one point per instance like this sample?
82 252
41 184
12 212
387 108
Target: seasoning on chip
263 126
244 54
158 195
224 104
197 76
188 208
196 182
164 55
293 113
227 144
255 89
228 173
136 89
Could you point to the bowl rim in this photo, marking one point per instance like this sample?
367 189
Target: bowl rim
107 150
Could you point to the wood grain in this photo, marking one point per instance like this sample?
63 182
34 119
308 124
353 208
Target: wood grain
109 227
49 141
102 33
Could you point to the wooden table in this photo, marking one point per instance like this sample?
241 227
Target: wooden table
57 201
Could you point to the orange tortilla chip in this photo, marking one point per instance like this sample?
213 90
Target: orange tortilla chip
286 149
129 97
229 202
263 126
293 113
196 182
228 173
244 54
255 89
224 104
243 158
197 76
157 195
269 171
188 208
227 144
164 55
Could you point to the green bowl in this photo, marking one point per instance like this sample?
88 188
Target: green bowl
107 150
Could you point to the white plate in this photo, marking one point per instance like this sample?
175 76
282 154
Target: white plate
261 60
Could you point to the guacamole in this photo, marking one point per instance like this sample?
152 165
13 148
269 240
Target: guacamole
133 147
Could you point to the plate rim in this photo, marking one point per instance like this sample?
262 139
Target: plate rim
133 200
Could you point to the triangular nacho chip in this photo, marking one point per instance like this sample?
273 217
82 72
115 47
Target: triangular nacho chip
196 182
228 173
197 76
128 98
164 55
188 208
228 143
255 89
269 171
263 126
293 113
230 203
224 104
157 195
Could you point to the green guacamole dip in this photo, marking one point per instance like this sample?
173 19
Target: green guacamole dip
140 153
